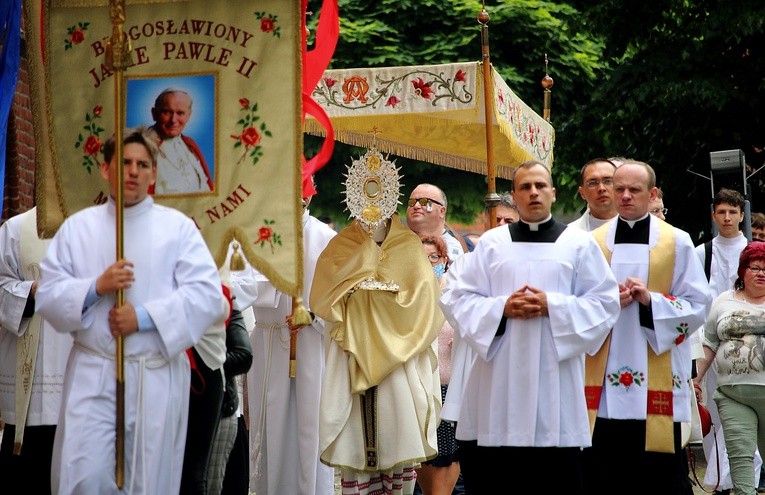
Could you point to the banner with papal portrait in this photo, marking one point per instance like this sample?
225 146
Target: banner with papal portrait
219 81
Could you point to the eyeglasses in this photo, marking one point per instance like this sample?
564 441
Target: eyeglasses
756 269
503 220
593 183
433 257
423 202
656 211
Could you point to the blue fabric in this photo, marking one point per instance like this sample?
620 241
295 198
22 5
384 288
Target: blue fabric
10 30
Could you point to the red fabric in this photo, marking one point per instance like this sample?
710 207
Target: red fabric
230 298
315 62
592 395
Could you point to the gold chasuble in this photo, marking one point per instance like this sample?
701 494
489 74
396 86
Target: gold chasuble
382 299
659 418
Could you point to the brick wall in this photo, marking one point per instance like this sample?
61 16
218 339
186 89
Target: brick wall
18 195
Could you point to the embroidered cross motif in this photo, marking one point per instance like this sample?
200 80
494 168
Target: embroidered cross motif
660 403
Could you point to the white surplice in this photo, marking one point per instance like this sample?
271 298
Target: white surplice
674 317
526 387
53 347
177 282
284 411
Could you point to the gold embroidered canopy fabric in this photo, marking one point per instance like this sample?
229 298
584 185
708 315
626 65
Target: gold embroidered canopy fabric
239 64
433 113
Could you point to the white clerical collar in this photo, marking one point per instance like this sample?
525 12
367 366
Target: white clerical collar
534 226
632 223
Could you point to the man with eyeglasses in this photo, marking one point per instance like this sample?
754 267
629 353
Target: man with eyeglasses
720 257
656 206
531 300
597 190
426 215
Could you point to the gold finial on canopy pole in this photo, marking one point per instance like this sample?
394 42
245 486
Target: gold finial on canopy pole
492 198
117 59
547 84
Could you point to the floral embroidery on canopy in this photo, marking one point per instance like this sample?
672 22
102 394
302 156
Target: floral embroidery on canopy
431 86
433 113
626 377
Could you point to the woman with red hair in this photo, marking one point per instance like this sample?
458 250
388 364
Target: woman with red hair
734 338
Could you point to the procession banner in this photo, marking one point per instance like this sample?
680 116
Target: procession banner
230 76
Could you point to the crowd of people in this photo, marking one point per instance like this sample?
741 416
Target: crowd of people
537 355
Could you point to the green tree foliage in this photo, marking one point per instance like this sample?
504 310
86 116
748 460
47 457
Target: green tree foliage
683 78
665 82
415 32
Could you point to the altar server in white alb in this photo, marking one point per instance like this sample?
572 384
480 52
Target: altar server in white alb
639 382
531 300
32 359
172 295
284 411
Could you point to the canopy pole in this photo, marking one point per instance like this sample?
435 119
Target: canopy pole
118 59
492 198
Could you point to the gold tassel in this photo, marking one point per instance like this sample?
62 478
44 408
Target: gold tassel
237 262
300 315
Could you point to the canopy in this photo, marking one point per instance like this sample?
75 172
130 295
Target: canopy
433 113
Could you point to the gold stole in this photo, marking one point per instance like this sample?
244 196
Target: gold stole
659 417
31 251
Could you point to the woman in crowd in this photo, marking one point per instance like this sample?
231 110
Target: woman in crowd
734 336
438 476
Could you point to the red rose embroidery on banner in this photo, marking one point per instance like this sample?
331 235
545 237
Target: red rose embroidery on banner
268 23
266 235
90 140
460 76
253 131
250 137
75 35
92 146
330 81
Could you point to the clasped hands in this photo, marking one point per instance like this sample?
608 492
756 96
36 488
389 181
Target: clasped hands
527 302
633 289
123 320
